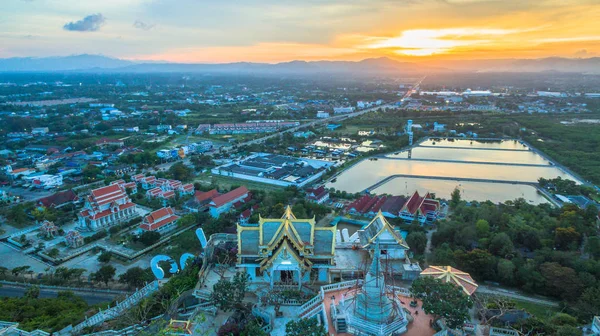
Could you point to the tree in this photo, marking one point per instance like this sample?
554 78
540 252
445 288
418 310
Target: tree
253 328
105 257
455 198
54 252
417 241
181 172
588 304
20 270
506 271
104 274
135 277
561 281
150 238
443 299
592 246
32 292
501 245
483 228
479 263
229 294
304 327
567 238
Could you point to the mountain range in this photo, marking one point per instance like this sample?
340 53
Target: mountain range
98 63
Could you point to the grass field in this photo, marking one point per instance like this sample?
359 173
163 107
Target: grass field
227 182
543 312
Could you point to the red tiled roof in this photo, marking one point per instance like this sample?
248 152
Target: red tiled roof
187 187
137 177
154 191
229 197
106 212
413 203
318 193
19 170
168 194
130 185
58 199
246 214
203 196
107 194
423 204
159 218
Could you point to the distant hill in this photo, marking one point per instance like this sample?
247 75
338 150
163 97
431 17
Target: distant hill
64 63
557 64
97 63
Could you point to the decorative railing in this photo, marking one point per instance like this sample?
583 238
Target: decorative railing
310 303
12 328
314 311
503 332
266 316
113 312
399 290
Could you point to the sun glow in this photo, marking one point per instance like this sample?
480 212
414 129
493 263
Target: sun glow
426 42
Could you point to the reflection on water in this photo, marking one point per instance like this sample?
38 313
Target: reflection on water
505 144
367 173
529 157
470 191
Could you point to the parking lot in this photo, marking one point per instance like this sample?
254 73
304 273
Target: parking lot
28 195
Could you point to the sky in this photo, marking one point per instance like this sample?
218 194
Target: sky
220 31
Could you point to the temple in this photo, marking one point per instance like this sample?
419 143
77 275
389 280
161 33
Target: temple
286 250
105 207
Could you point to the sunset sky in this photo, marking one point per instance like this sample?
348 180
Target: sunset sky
216 31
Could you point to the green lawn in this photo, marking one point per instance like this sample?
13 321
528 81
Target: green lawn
227 182
542 312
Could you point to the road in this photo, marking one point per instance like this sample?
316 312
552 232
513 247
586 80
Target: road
335 118
91 298
447 178
482 289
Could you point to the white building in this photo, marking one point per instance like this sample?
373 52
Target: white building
551 94
45 181
477 93
322 114
39 130
339 110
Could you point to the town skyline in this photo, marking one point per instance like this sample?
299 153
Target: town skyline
270 32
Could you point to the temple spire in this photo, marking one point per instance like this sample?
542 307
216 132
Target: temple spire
288 214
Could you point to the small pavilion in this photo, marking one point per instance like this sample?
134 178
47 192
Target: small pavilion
454 276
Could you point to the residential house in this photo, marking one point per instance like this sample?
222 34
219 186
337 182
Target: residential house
161 220
223 203
424 209
15 173
318 195
200 201
110 142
